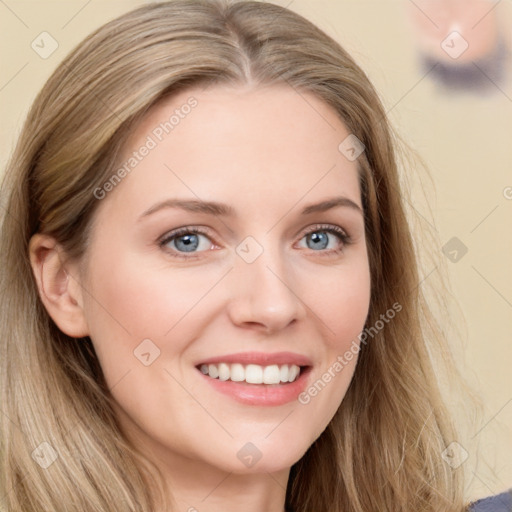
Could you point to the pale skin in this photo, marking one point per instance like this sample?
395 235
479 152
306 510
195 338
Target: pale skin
267 153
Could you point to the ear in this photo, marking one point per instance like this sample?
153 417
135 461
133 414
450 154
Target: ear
58 282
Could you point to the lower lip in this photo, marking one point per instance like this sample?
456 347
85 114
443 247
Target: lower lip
261 394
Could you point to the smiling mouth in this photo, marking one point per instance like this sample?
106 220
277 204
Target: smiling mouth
253 373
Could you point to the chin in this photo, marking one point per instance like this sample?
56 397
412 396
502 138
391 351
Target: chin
260 457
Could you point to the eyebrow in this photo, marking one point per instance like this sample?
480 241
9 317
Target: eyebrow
224 210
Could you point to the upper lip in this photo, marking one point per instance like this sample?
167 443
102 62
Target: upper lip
260 358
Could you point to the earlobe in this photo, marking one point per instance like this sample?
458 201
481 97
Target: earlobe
58 284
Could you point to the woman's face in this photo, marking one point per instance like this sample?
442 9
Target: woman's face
233 244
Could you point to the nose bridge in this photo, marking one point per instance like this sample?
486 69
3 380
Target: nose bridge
263 286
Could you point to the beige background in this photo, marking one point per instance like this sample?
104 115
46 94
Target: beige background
465 139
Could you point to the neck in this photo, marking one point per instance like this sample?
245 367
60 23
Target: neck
196 486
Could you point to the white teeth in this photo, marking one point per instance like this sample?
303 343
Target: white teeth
237 373
271 374
252 373
223 371
293 372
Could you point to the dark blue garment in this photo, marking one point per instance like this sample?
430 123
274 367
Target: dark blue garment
499 503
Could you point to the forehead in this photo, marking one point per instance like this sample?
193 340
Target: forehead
244 143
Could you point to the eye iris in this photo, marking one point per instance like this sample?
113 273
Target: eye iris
190 241
187 243
320 239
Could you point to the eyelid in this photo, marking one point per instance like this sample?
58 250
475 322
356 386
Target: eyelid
325 227
185 230
345 238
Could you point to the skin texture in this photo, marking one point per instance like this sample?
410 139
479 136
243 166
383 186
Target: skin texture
267 153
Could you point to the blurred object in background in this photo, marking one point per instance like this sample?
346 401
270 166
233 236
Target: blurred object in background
463 42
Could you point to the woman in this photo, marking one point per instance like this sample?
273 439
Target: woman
213 298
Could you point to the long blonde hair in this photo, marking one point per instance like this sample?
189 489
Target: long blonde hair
382 450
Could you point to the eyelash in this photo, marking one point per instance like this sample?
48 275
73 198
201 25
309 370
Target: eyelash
326 228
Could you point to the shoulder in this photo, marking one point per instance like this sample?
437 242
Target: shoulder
499 503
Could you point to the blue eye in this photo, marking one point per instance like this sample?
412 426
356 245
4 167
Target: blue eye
186 240
187 243
319 238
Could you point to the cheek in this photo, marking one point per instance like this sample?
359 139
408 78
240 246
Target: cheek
348 308
146 299
341 300
128 303
131 300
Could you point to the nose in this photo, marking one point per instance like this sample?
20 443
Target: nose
265 296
